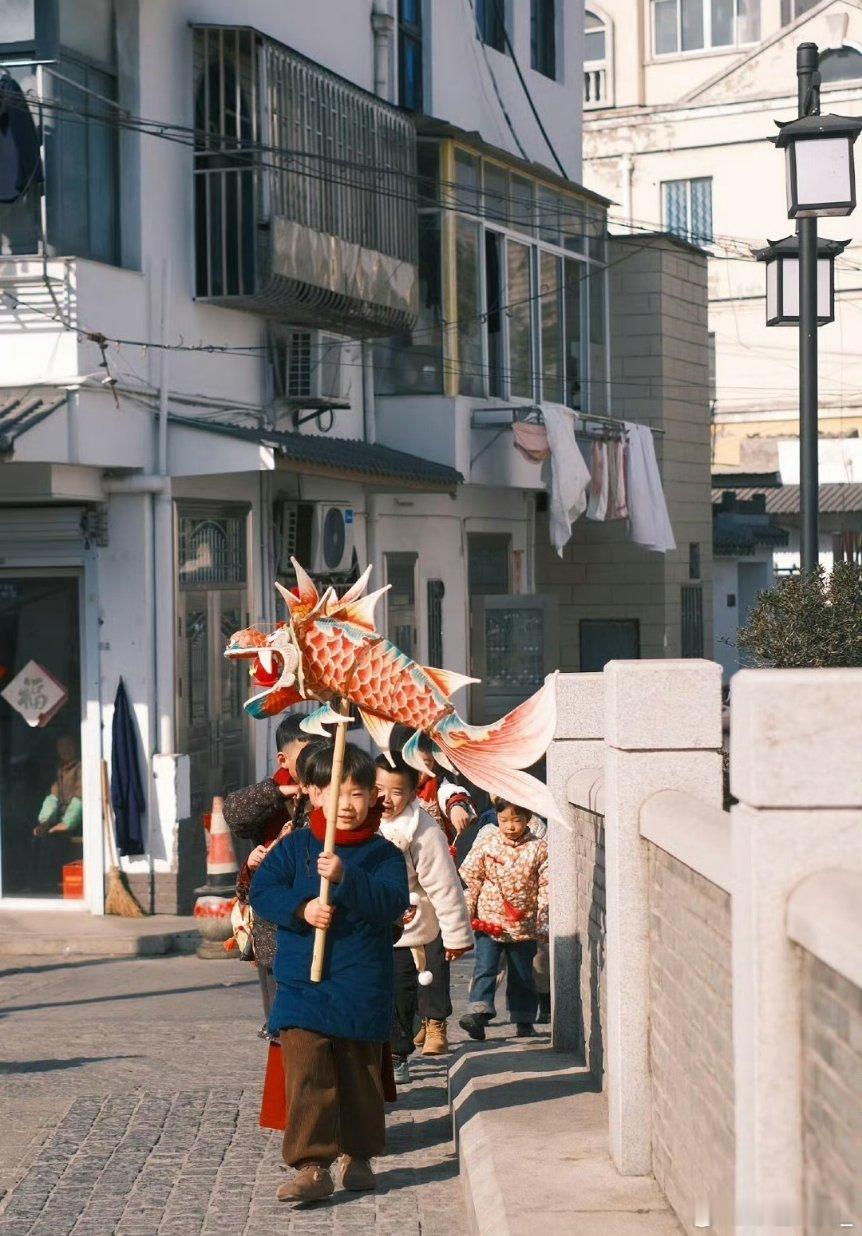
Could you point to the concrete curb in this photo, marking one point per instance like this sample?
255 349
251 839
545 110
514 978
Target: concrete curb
532 1138
60 934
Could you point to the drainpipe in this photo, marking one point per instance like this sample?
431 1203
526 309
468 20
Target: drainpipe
158 484
163 547
369 415
369 405
627 171
383 26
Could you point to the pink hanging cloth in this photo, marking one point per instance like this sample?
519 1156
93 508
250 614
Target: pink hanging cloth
531 440
617 498
597 506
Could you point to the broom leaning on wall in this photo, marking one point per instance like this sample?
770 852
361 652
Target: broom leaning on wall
119 899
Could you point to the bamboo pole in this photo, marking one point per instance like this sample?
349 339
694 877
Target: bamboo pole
329 838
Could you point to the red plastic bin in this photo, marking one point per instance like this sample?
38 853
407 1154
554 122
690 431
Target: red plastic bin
73 880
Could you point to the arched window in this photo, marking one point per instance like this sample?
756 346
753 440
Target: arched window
598 82
840 64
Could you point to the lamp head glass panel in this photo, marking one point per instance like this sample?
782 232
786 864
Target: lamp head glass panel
822 175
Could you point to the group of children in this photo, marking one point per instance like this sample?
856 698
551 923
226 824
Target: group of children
399 914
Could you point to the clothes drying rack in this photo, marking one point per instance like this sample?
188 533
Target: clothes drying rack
592 426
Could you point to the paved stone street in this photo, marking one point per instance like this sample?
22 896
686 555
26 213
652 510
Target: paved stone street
129 1105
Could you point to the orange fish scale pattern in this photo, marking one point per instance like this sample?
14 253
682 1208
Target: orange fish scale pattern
384 680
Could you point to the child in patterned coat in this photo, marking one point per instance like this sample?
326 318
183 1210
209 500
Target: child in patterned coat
506 875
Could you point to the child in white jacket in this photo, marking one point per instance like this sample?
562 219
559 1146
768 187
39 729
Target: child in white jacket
437 931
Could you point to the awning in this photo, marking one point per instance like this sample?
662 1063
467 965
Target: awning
338 458
21 411
738 535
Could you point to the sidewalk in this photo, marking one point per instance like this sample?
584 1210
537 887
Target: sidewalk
72 933
532 1136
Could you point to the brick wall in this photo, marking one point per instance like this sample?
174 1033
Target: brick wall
831 1097
691 1046
659 368
590 942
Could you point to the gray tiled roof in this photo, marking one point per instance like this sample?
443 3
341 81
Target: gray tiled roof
834 498
20 411
327 455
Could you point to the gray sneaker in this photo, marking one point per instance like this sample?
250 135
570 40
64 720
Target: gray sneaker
401 1070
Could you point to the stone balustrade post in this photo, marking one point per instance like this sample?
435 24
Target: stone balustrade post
796 769
662 732
577 745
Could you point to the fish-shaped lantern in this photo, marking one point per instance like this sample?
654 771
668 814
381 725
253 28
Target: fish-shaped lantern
329 648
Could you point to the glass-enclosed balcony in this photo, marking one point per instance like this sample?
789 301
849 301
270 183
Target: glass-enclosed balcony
513 299
305 190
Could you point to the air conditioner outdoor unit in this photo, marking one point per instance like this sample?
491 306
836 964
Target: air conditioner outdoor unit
332 539
318 534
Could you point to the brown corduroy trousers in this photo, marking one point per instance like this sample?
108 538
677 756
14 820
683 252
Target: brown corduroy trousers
334 1095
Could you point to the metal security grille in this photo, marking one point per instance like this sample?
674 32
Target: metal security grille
297 367
436 592
212 550
228 180
351 159
692 620
285 149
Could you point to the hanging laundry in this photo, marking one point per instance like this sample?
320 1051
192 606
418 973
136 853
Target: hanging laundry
531 440
650 523
569 473
597 506
617 501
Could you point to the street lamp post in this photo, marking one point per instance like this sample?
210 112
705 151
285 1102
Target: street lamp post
808 78
820 182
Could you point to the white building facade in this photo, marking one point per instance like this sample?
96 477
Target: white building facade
682 97
224 338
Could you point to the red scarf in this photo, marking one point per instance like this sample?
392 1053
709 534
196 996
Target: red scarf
346 836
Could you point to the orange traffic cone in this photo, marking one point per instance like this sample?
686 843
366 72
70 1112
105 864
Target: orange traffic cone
215 899
221 860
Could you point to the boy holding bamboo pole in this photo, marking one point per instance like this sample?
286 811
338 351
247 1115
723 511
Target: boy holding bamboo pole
334 890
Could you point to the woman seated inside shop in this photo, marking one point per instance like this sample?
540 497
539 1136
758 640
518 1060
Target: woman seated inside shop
61 810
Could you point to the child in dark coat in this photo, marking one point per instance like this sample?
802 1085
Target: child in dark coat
259 813
332 1032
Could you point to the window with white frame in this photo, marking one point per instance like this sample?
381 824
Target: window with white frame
597 82
840 64
531 295
688 209
792 9
697 25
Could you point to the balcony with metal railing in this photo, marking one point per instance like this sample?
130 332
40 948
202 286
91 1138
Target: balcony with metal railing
305 190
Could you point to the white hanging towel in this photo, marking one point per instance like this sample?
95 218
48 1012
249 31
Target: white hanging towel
597 506
650 524
569 473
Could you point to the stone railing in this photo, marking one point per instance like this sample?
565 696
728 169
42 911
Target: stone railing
706 964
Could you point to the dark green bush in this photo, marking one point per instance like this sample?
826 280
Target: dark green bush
808 621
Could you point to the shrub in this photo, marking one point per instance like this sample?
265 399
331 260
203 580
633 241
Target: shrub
808 621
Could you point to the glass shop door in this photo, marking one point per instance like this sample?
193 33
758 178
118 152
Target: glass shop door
41 813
